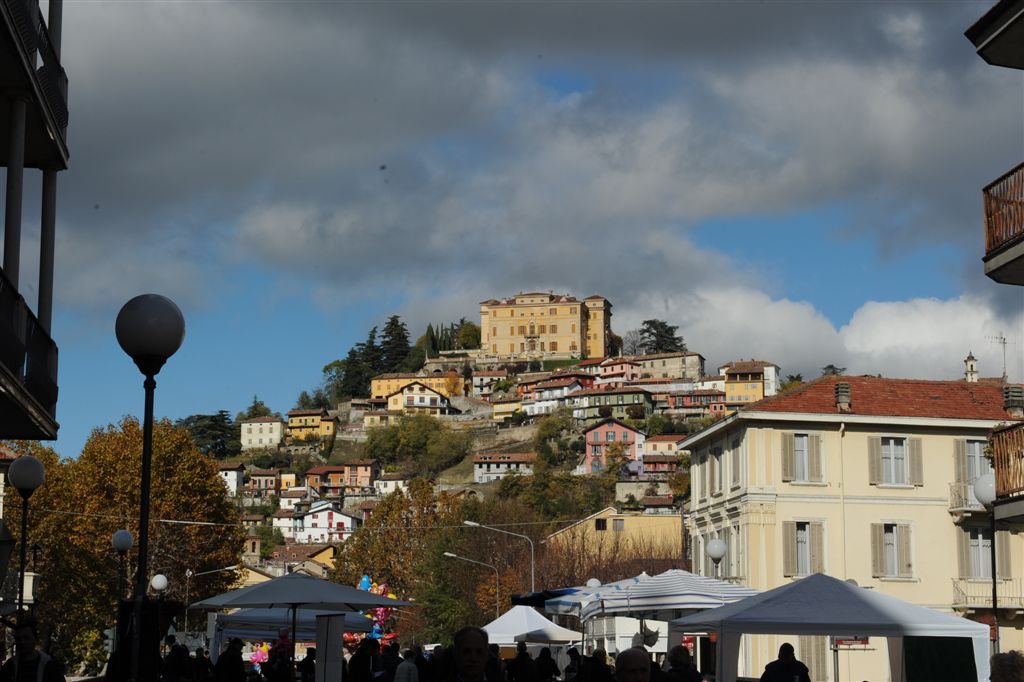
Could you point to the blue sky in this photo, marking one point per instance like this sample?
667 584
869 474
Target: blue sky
723 166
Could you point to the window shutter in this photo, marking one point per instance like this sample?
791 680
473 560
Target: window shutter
814 457
788 465
1004 567
877 550
963 552
735 463
817 548
874 460
788 548
916 464
903 555
960 460
813 651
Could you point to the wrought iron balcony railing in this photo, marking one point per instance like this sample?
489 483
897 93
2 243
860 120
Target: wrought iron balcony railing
961 498
26 350
1008 459
1004 210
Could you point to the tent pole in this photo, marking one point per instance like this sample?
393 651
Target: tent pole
291 662
835 659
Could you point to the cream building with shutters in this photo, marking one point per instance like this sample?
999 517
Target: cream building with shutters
864 479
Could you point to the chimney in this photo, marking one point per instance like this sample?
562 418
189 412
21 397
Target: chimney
843 396
971 368
1013 401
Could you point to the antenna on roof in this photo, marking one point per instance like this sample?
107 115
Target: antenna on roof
1001 340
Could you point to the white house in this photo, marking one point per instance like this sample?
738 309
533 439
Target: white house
284 521
493 466
262 432
232 475
289 498
323 521
484 380
389 483
549 395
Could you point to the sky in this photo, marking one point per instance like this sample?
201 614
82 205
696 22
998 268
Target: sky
792 181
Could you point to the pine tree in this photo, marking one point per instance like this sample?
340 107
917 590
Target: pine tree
394 344
369 353
658 336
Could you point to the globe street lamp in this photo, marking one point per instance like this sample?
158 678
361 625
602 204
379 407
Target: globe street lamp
150 329
26 473
533 563
497 601
985 492
122 541
716 551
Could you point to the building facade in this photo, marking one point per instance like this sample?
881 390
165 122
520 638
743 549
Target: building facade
262 432
861 478
310 425
747 381
493 466
418 398
620 403
544 325
447 384
600 437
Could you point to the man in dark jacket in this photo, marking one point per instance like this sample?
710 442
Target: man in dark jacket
786 668
522 668
229 666
27 657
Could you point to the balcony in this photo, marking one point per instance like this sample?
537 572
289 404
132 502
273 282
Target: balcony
28 371
29 64
961 498
976 593
1007 445
1004 228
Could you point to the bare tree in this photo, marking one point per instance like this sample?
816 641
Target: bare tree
632 343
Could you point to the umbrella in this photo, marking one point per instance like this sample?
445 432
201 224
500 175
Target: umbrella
299 591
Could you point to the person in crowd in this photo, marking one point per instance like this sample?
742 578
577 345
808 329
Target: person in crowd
441 664
177 666
307 666
495 671
547 669
28 661
229 666
365 662
278 665
680 666
786 668
595 668
470 654
633 665
1008 667
572 670
522 668
389 661
407 670
202 669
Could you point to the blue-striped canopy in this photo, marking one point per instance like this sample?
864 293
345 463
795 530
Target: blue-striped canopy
672 590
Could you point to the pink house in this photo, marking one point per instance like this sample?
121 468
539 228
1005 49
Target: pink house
603 434
618 371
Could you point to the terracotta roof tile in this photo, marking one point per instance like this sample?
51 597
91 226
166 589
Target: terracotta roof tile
667 438
262 420
659 458
657 501
495 457
883 397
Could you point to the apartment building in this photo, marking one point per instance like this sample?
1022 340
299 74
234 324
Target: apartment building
545 325
866 479
34 132
493 466
262 432
747 381
447 384
679 365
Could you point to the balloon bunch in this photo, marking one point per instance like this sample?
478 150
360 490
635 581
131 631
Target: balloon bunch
379 616
260 655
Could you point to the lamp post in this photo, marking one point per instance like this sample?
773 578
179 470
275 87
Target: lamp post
985 492
26 473
533 563
150 329
716 551
497 600
122 541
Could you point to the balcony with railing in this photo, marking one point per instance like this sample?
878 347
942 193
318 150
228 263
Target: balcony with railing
962 499
1004 228
30 66
1008 460
28 370
976 593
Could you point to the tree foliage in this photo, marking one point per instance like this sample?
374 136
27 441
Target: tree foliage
420 442
84 500
792 381
632 342
658 336
394 345
832 370
216 435
256 409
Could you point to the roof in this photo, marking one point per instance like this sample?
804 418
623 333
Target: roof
667 438
221 467
382 413
590 362
367 505
663 356
494 457
294 492
396 375
251 517
883 397
611 420
403 389
325 469
747 366
555 383
619 361
657 501
265 472
283 513
360 463
394 476
491 373
609 391
651 458
264 420
298 551
595 297
700 391
306 413
716 377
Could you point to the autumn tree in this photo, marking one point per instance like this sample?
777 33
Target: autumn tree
83 501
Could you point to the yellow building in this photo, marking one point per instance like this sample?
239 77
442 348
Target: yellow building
538 325
611 533
504 408
861 478
418 398
309 424
747 381
448 384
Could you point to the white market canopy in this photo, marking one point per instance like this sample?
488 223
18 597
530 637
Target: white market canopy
524 624
673 590
821 605
575 598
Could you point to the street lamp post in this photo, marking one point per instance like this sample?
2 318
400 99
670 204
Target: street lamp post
985 492
122 541
189 574
26 473
497 600
533 562
716 551
150 329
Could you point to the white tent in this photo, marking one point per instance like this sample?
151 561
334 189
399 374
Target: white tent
673 590
820 605
524 624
